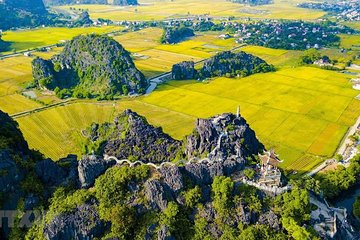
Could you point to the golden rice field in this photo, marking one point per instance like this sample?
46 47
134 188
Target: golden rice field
153 58
15 73
56 132
159 10
350 41
302 112
28 39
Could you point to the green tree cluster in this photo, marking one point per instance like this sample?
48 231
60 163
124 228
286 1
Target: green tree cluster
334 182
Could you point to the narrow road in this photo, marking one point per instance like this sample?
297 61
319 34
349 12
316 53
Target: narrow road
341 149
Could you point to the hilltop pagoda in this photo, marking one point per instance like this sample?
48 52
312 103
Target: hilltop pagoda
270 173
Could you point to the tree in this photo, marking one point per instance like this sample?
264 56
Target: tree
249 233
356 207
310 56
123 221
169 216
296 204
192 196
296 231
200 229
249 173
222 188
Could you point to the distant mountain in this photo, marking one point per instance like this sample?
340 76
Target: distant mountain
70 2
90 66
253 2
22 13
226 63
176 35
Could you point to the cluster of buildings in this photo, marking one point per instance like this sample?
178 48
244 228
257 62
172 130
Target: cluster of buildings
348 10
289 35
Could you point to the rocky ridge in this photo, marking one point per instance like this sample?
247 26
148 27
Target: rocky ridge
131 137
229 64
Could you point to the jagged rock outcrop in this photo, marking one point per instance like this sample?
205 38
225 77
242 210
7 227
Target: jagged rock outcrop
83 19
156 194
43 71
176 35
132 137
164 233
90 167
49 172
91 66
234 64
14 151
225 136
10 176
82 223
270 219
183 70
172 177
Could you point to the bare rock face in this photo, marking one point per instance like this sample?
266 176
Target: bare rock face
10 176
222 137
132 137
90 167
270 219
49 172
156 194
183 71
172 177
82 223
164 233
43 71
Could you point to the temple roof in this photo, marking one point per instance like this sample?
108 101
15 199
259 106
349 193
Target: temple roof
270 158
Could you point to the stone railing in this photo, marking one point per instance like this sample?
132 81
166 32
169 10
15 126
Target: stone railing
274 190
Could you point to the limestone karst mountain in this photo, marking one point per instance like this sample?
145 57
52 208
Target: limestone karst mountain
90 66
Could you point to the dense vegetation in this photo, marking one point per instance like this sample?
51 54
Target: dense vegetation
341 179
232 64
227 64
22 13
90 66
175 35
295 35
118 206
